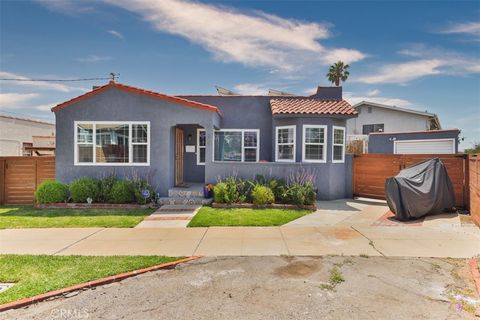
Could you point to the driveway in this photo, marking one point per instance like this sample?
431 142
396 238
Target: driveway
348 227
277 288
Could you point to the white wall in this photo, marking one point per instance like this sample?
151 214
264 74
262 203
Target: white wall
13 132
394 121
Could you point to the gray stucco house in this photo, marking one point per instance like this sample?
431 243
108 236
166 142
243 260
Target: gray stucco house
176 140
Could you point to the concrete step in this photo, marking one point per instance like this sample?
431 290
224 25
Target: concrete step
184 201
185 193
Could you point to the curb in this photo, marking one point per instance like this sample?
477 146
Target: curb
90 284
475 273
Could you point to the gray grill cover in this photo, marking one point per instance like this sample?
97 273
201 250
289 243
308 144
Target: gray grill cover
420 190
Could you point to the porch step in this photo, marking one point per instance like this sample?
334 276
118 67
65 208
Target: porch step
184 200
185 193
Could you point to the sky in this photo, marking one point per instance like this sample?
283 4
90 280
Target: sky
423 55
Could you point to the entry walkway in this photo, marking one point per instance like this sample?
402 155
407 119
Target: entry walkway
340 227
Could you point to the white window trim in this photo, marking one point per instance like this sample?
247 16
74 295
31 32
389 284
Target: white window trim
294 143
198 146
324 144
94 143
243 148
338 144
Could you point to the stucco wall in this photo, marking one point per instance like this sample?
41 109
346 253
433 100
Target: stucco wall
394 121
13 132
116 105
333 180
383 143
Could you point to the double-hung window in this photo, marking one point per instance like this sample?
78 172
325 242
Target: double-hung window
239 145
314 143
201 146
338 145
112 143
285 144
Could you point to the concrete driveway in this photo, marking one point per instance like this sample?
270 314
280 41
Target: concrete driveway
277 288
348 227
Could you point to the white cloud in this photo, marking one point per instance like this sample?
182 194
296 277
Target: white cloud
354 99
15 100
71 7
94 59
374 92
252 38
469 28
46 107
250 89
45 85
116 34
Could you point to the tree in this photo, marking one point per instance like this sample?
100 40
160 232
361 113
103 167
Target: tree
338 72
475 149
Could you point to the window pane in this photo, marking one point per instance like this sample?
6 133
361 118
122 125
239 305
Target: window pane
250 139
314 152
314 135
228 146
250 155
202 155
139 133
337 152
85 153
85 133
285 135
112 143
285 152
201 138
338 136
140 153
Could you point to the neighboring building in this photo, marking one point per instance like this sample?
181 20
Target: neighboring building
173 140
26 137
382 128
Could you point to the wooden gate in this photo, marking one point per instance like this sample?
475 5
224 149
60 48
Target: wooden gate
20 176
371 170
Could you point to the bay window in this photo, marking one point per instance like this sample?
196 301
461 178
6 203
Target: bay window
285 144
236 145
338 145
112 143
314 143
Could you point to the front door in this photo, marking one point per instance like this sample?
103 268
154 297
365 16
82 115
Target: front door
179 156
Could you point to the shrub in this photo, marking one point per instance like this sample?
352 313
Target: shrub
231 191
122 192
219 192
262 195
105 188
84 188
301 194
139 186
51 192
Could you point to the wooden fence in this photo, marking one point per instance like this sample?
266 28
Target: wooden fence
371 170
474 167
20 176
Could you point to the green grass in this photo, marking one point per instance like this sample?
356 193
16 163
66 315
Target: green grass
29 217
36 274
208 216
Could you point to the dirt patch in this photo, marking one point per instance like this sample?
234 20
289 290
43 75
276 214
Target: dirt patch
296 269
341 234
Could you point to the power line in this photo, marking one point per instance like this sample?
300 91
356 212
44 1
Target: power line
54 80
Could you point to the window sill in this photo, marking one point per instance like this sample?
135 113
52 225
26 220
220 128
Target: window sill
112 164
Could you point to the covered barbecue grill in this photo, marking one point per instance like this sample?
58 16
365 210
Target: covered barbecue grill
420 190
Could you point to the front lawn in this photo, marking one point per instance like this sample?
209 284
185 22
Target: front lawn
209 217
36 274
29 217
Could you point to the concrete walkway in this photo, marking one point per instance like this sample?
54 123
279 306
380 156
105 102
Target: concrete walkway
345 227
170 216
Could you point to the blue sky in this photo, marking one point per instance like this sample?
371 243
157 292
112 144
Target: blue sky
423 55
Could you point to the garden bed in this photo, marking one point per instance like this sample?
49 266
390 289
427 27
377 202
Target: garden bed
92 206
266 206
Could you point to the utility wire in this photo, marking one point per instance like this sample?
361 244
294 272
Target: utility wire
53 80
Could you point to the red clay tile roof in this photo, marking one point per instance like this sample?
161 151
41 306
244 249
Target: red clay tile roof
152 94
311 106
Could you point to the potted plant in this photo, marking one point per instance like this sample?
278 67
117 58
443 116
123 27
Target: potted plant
208 191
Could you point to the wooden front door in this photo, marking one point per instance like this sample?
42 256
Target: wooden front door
179 155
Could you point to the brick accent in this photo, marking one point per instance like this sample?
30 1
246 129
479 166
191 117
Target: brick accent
270 206
92 206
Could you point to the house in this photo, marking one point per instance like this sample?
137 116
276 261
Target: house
178 140
381 128
26 137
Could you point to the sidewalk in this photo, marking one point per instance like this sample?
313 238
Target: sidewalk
341 227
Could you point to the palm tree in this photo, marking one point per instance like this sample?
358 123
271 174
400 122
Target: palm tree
338 72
